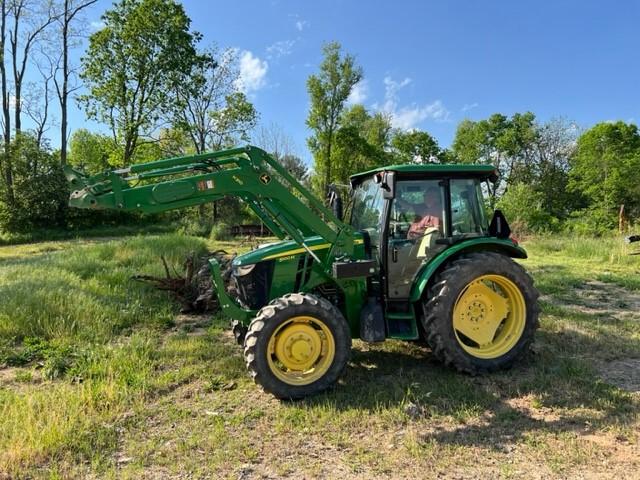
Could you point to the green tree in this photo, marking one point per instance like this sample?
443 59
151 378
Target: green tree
553 147
415 146
133 66
605 171
524 206
506 143
361 143
93 152
329 90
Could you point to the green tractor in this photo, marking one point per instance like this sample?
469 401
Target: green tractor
416 259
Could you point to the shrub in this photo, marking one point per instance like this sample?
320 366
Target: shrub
220 231
592 221
523 207
40 192
195 227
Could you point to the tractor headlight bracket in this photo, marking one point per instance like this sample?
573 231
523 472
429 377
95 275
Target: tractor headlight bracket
242 270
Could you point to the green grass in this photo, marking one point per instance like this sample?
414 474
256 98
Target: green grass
102 377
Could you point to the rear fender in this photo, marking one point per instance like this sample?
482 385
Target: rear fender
492 244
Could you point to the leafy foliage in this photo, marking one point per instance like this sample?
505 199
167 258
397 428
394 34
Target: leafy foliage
361 143
524 207
329 90
416 146
499 141
93 152
40 188
134 64
605 171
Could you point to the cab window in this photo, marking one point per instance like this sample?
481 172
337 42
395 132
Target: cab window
467 210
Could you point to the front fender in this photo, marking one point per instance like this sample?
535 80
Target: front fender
505 246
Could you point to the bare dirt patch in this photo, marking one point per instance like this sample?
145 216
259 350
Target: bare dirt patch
7 375
606 300
624 373
192 324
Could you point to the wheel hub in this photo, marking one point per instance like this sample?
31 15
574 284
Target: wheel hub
490 312
476 311
298 346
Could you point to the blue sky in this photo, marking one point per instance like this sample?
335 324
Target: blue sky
431 64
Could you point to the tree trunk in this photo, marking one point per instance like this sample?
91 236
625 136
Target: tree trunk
327 173
622 220
7 171
65 87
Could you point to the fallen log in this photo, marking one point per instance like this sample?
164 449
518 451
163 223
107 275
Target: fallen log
193 288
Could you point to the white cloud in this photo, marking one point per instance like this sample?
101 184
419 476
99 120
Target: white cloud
301 24
97 25
280 49
359 92
408 117
470 106
253 72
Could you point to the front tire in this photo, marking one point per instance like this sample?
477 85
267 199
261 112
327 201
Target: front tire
481 313
297 346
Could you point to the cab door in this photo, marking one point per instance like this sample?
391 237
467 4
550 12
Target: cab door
415 223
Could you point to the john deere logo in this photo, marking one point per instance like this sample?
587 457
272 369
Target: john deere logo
264 178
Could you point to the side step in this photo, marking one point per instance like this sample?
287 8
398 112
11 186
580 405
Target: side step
402 325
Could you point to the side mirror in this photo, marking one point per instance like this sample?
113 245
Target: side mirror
335 201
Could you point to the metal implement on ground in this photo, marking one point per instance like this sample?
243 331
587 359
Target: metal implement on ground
416 259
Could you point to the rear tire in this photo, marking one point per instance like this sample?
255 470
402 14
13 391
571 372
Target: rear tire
297 346
481 313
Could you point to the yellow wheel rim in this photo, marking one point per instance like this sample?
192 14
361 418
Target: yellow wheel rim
301 350
489 316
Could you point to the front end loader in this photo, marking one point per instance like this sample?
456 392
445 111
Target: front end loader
417 258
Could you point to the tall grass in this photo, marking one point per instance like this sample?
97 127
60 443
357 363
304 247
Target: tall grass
88 293
571 259
70 309
612 250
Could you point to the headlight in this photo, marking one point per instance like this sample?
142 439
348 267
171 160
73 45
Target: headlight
242 270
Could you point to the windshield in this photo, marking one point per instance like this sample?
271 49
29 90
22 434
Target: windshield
367 206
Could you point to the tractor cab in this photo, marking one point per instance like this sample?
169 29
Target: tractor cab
410 214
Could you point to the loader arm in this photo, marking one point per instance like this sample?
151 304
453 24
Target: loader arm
288 208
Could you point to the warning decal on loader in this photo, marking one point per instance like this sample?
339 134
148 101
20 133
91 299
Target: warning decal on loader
205 185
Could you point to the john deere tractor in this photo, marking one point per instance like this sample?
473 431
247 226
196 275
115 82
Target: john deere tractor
416 258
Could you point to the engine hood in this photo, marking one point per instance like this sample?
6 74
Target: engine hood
285 249
278 250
